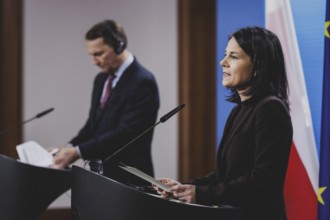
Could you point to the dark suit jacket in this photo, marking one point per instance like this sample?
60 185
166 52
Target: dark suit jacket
130 109
252 161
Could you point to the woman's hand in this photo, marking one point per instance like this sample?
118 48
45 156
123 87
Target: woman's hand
168 182
182 192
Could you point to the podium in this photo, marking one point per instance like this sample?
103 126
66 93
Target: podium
97 197
26 190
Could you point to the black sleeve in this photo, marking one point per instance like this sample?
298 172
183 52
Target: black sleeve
84 133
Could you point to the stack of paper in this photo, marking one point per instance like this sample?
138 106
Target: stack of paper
32 153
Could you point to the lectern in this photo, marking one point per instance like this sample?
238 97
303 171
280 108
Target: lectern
97 197
26 190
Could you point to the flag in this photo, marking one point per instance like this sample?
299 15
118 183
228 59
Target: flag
301 184
324 176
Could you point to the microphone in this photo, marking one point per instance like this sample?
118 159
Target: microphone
39 115
44 113
171 113
161 120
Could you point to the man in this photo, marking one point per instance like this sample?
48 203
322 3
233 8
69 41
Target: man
124 103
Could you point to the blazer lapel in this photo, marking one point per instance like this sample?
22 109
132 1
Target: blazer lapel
228 126
115 91
232 130
125 77
97 97
226 131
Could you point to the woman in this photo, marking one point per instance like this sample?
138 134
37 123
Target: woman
254 151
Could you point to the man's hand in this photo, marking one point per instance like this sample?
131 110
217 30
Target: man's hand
64 157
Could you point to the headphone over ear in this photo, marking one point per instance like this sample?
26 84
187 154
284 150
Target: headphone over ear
119 44
120 47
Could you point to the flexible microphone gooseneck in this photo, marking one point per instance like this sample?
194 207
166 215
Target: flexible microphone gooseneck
39 115
161 120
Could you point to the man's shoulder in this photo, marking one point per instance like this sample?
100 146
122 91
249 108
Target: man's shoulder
141 72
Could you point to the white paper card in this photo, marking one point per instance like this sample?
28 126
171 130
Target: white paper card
144 176
32 153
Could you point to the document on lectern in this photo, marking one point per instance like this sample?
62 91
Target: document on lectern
33 153
144 176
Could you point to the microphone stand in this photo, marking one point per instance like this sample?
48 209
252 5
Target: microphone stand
39 115
122 148
97 165
161 120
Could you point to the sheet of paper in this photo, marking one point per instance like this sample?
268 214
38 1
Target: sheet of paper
32 153
144 176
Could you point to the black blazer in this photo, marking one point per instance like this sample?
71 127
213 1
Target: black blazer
130 109
252 161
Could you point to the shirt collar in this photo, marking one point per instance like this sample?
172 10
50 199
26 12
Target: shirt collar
122 68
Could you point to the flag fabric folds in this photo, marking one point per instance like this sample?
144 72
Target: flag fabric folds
324 177
301 184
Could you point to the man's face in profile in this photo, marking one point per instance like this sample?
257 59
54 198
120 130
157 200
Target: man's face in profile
103 55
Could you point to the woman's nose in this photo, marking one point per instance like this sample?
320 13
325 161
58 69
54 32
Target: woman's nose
223 62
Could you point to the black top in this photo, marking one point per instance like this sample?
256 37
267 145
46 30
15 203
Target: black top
252 160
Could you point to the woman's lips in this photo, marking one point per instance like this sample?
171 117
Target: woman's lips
226 74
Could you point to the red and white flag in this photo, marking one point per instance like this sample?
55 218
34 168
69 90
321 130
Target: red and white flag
301 182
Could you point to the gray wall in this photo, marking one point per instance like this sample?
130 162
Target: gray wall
58 72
